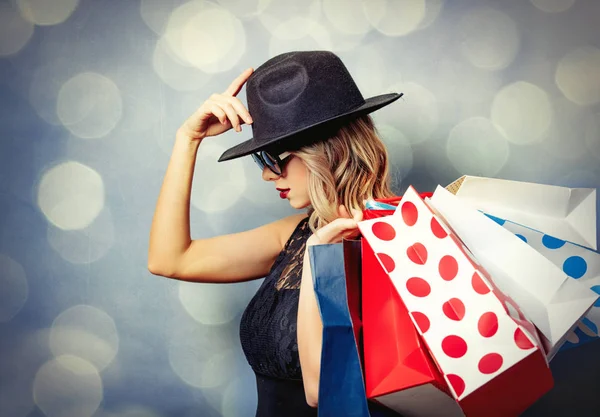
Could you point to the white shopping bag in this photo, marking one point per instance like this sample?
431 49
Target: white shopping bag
565 213
553 301
577 262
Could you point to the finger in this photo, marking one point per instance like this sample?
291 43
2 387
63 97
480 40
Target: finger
239 107
231 114
237 84
219 113
343 212
336 228
357 215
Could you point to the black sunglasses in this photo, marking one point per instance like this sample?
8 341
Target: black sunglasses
275 163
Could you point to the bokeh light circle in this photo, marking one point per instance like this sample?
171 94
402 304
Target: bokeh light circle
419 117
205 35
553 6
46 13
244 9
86 332
89 105
289 19
215 304
476 147
213 41
395 17
592 134
236 402
489 38
217 185
319 38
156 13
174 72
15 31
523 111
87 245
68 386
400 152
204 356
578 75
347 17
128 411
71 195
566 136
15 289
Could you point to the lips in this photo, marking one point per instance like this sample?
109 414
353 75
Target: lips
283 192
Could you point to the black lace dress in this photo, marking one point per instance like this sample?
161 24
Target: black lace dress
268 335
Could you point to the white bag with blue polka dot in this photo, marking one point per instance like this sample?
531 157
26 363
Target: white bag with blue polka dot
577 262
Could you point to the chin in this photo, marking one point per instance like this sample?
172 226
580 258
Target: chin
299 204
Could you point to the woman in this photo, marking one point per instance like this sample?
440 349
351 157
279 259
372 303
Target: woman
314 140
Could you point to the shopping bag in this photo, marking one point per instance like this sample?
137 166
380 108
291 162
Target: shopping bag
399 371
353 272
577 262
336 280
566 213
378 210
341 385
487 350
547 296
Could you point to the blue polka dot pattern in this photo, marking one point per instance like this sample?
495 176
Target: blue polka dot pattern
523 238
596 289
590 324
552 243
496 219
575 267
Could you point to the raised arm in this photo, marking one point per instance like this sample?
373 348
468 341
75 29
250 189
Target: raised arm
227 258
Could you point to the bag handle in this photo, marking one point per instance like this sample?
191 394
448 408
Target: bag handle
396 199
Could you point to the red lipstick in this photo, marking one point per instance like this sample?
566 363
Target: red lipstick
283 192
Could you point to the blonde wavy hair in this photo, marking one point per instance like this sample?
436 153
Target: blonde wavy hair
347 168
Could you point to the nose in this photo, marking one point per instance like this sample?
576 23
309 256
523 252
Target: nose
269 175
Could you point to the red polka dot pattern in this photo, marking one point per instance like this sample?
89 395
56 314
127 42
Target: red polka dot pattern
479 285
418 287
488 324
383 231
410 214
458 384
417 253
490 363
454 309
421 320
454 346
448 268
437 229
452 300
387 261
522 340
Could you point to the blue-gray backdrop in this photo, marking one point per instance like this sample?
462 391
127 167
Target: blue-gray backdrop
91 93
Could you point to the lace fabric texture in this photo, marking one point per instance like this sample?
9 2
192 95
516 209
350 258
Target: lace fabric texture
268 325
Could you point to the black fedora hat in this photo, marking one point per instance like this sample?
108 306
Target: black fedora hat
296 92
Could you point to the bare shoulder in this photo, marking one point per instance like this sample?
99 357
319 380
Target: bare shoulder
287 225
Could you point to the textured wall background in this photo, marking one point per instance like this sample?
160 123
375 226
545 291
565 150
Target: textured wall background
91 93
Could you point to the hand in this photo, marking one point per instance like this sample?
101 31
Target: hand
344 227
219 113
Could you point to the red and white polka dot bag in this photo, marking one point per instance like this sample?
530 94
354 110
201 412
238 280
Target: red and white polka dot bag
488 352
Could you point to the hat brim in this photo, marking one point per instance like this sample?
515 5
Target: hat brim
250 146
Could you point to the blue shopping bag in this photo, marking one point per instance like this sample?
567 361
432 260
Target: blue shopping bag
341 384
